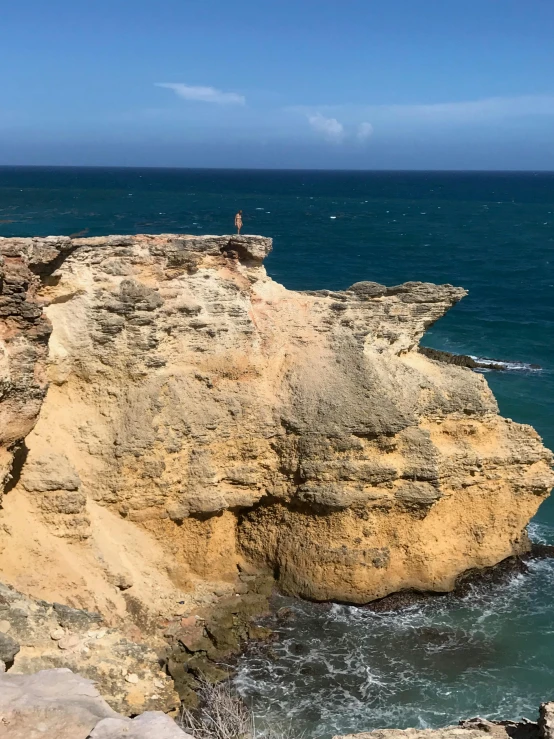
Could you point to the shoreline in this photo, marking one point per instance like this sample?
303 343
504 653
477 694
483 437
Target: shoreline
184 434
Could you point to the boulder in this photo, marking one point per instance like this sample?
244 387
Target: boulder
149 725
50 703
58 703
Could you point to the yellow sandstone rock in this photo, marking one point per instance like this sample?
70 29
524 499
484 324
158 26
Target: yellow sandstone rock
200 416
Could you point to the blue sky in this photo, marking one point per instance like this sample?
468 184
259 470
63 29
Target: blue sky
409 84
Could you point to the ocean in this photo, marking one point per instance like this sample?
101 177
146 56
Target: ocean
343 669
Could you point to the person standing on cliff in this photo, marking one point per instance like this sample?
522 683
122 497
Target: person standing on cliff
238 221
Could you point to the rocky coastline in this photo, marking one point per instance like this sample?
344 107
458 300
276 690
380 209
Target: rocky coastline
180 434
474 728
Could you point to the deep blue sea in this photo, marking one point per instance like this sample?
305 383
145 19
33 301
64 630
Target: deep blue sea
345 669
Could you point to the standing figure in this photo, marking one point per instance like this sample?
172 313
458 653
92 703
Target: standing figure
238 221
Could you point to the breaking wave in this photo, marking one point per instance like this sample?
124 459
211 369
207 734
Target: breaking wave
339 669
500 364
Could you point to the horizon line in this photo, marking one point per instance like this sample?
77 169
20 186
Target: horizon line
271 169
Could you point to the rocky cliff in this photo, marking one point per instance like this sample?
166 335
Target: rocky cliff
200 419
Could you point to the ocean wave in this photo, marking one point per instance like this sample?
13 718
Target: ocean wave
501 364
339 669
541 533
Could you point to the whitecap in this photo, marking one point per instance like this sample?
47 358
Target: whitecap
485 363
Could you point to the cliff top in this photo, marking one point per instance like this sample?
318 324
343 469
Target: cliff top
45 254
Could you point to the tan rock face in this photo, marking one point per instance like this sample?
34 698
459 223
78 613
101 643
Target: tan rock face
24 333
204 410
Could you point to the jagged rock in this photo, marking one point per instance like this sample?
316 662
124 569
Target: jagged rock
8 648
449 732
211 416
58 703
44 636
475 728
24 332
546 720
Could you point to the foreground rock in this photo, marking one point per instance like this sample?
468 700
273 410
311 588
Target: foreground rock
41 636
201 418
57 703
475 728
449 732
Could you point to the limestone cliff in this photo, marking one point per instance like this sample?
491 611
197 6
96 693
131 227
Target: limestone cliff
200 416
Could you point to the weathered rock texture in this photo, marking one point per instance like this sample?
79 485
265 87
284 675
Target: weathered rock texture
475 728
200 414
43 636
57 703
24 333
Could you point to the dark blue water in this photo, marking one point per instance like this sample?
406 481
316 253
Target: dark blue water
492 233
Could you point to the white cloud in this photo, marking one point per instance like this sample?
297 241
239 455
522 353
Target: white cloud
203 94
329 127
365 131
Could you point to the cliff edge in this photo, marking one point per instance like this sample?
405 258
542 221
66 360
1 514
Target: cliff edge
171 415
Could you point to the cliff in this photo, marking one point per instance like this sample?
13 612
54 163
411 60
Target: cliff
171 415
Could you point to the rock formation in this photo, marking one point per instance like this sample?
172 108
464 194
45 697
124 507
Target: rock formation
38 636
200 416
475 728
57 703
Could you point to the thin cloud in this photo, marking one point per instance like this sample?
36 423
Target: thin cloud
456 113
365 131
476 110
203 94
331 129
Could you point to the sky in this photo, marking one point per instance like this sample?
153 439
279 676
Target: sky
330 84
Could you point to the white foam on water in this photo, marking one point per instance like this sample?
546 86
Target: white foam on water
509 366
343 669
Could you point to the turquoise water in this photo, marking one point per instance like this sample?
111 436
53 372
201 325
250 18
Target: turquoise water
492 233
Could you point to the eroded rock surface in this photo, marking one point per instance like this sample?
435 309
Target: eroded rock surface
449 732
475 728
42 636
24 332
200 415
58 703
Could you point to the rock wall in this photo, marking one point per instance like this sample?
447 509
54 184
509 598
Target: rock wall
24 333
201 417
